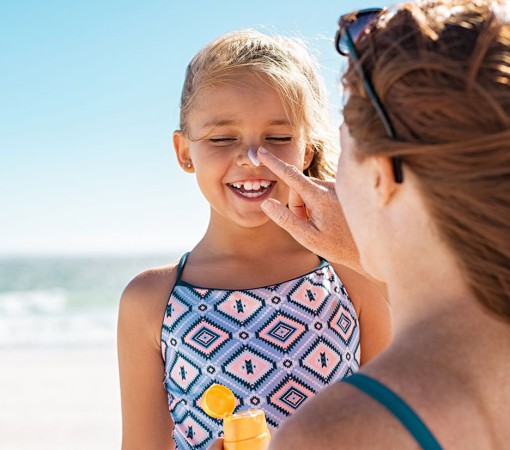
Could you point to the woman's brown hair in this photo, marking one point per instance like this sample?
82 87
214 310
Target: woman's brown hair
442 71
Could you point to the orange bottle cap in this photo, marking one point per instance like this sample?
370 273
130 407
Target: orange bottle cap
218 401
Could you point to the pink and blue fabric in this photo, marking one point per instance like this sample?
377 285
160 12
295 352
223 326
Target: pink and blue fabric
275 347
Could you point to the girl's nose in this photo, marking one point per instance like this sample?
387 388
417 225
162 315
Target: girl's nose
254 158
249 156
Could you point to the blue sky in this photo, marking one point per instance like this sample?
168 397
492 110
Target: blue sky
89 94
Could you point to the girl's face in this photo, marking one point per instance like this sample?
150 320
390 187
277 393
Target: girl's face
227 120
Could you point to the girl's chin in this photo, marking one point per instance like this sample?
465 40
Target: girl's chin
252 220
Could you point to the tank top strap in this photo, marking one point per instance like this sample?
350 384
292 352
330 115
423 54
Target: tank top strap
400 409
180 266
323 262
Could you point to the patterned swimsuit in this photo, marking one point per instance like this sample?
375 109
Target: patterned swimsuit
275 347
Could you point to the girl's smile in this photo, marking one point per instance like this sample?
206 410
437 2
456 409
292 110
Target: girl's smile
253 190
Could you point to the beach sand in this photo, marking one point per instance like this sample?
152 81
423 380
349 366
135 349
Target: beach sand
59 398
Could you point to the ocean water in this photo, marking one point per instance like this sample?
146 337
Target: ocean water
64 301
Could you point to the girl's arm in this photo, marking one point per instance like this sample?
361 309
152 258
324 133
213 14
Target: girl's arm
146 420
373 311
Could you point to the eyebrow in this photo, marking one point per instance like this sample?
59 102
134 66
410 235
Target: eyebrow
221 123
217 123
280 122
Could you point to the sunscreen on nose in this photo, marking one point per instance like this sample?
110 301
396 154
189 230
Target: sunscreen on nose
252 154
246 430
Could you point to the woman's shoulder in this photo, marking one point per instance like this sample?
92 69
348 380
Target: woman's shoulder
340 417
343 416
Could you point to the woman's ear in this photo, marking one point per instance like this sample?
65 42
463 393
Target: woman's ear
384 180
181 147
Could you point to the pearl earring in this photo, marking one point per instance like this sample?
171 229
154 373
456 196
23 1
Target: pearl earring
189 165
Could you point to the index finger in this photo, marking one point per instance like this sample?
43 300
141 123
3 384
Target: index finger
289 174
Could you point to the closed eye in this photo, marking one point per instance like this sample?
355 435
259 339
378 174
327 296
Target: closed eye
222 140
279 139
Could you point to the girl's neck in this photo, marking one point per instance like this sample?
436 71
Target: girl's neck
242 258
252 243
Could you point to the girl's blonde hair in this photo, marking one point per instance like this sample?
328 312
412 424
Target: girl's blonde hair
286 66
442 71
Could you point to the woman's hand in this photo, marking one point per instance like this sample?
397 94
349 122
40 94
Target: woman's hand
314 216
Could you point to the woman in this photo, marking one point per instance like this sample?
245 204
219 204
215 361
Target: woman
423 181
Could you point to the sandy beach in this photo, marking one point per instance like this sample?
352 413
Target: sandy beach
59 398
59 385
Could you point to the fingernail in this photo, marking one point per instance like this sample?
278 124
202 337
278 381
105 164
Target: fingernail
267 205
253 156
262 150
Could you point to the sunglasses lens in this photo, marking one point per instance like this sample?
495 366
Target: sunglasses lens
356 27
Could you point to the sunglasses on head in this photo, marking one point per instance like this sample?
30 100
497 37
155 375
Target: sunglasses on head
350 28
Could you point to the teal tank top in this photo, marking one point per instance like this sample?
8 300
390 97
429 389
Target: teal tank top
400 409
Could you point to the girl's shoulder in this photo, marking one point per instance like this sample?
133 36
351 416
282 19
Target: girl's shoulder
145 297
361 289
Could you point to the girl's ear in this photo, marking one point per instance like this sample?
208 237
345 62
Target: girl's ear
309 154
181 147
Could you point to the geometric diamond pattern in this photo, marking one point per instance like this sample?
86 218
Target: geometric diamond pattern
282 331
183 372
322 360
193 430
309 296
205 337
343 324
202 293
176 309
239 306
249 367
274 347
289 395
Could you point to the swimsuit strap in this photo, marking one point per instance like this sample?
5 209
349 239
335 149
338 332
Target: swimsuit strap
323 262
397 407
180 266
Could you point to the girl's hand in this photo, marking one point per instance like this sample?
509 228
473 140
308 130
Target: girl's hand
314 216
216 445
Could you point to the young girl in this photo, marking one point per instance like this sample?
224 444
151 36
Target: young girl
248 307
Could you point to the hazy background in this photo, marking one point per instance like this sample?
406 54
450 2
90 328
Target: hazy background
90 190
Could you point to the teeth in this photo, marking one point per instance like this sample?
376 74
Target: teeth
252 185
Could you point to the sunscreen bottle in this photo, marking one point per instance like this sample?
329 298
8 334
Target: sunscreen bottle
242 431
